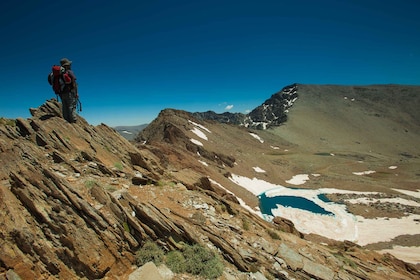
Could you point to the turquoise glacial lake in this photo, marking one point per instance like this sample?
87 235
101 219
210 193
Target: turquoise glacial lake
269 203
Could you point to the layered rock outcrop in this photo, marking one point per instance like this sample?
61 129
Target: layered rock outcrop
78 201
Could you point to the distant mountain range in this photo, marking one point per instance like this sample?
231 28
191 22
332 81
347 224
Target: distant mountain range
130 132
272 112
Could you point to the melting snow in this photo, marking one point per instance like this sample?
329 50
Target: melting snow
342 225
408 254
410 193
241 202
257 137
200 126
199 133
299 179
196 130
367 200
196 142
259 170
254 185
392 227
364 172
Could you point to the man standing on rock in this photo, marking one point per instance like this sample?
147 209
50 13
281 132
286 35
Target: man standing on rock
69 96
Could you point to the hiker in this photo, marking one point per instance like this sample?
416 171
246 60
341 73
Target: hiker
69 95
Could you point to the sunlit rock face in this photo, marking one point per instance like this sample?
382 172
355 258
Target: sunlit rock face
78 201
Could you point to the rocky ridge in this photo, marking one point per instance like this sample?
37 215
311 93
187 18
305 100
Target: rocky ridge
78 201
273 111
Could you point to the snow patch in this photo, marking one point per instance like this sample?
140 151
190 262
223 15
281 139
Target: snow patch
259 170
199 133
339 226
410 193
408 254
200 126
256 137
364 172
368 200
299 179
196 142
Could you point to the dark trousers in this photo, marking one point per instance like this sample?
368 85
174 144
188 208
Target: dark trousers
69 103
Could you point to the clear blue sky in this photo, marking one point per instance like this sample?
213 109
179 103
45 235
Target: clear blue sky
136 58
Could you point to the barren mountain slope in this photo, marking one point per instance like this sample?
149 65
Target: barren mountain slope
333 130
366 128
333 133
78 201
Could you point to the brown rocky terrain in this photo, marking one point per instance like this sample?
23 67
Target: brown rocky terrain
78 201
332 132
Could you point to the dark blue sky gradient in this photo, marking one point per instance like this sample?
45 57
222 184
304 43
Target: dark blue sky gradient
135 58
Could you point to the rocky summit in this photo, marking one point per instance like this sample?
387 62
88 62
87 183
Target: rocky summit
272 113
80 201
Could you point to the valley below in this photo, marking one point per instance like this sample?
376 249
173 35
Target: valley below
356 146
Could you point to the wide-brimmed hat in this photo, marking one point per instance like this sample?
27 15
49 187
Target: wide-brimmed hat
65 61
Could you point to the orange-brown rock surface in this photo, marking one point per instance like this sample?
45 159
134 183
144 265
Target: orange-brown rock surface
78 201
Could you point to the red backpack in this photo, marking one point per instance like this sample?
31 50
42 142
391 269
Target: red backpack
59 79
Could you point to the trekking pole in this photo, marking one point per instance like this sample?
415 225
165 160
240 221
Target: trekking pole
79 105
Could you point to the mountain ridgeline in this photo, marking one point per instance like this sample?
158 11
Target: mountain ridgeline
81 201
273 112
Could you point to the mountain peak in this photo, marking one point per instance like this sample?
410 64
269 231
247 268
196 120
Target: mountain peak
273 112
